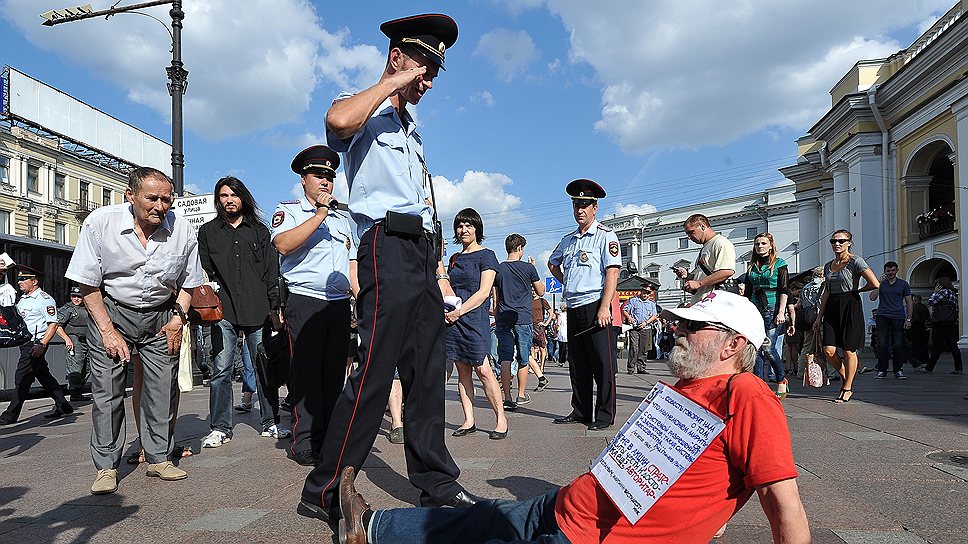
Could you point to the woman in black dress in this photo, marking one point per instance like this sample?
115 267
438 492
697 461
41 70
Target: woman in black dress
468 341
841 318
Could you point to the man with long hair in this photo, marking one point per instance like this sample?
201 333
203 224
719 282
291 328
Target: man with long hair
235 252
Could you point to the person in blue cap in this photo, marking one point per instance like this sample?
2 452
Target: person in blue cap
401 278
587 262
318 250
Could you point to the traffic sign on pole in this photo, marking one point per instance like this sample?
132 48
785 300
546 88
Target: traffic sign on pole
552 285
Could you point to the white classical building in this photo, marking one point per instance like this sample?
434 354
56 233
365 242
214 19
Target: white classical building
656 242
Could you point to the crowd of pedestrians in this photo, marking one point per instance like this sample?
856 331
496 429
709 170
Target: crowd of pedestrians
373 270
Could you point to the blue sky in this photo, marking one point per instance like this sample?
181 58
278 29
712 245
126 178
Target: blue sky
663 102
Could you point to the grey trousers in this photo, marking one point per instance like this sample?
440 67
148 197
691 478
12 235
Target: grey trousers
158 393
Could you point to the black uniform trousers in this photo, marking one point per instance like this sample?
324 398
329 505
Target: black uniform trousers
401 326
591 358
29 368
319 334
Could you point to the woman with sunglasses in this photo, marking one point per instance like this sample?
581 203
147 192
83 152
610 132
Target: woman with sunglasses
767 286
468 340
841 318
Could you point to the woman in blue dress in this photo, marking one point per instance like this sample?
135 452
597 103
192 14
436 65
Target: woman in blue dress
468 341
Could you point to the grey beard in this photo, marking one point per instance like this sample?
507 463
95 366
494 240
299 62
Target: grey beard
682 364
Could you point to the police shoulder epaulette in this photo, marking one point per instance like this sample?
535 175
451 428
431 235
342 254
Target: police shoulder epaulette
43 294
288 202
603 227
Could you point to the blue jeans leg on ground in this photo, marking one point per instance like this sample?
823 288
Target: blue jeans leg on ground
248 371
225 339
890 343
767 359
491 521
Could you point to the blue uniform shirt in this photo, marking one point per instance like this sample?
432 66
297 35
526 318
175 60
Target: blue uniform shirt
38 310
320 268
385 168
583 259
640 310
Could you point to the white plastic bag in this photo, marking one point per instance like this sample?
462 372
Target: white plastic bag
185 361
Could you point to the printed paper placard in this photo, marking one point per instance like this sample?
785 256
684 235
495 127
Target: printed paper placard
664 436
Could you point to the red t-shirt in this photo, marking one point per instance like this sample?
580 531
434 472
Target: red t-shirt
754 449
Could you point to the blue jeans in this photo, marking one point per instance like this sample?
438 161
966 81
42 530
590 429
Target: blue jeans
248 371
225 340
767 359
487 522
890 342
510 337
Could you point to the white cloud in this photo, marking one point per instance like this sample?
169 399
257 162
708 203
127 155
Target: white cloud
634 209
686 74
484 191
508 51
252 64
483 97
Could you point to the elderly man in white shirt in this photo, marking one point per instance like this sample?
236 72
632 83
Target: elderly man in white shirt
137 265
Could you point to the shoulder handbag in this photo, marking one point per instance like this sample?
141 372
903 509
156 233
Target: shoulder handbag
13 328
273 360
206 308
944 312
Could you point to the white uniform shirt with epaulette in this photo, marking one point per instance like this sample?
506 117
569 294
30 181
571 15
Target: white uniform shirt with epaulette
38 310
583 259
320 268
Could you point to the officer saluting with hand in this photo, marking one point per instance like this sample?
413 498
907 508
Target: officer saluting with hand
587 262
318 250
40 315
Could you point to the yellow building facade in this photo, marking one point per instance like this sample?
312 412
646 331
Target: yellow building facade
885 161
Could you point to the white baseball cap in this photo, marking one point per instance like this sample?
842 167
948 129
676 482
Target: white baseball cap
728 309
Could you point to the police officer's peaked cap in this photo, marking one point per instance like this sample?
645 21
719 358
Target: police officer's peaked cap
431 34
25 272
75 291
316 158
584 189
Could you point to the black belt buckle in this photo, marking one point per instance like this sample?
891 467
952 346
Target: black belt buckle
403 224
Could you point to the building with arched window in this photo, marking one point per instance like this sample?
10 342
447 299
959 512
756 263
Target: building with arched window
885 161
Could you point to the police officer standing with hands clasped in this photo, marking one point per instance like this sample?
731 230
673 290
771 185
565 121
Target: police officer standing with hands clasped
40 315
400 304
587 262
318 250
73 319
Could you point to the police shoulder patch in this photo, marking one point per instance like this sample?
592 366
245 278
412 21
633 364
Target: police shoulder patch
51 310
278 218
613 249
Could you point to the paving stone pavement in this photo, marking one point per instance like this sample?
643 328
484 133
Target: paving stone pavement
865 474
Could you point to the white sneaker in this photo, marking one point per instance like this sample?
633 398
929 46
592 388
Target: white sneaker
215 439
276 431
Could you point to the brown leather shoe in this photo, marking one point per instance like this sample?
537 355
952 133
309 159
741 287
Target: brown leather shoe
351 506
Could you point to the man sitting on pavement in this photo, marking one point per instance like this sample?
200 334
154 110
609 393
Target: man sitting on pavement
716 342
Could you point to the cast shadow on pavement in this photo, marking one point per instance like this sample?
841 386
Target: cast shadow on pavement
83 518
523 487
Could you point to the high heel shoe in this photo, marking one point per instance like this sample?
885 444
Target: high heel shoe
465 432
845 396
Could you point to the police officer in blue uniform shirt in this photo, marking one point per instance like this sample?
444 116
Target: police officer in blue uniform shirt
40 314
318 249
587 261
400 305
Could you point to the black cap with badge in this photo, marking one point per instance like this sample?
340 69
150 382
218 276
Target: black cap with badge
316 158
25 272
431 34
584 189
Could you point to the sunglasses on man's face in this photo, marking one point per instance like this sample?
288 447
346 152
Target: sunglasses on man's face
582 203
690 325
838 241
